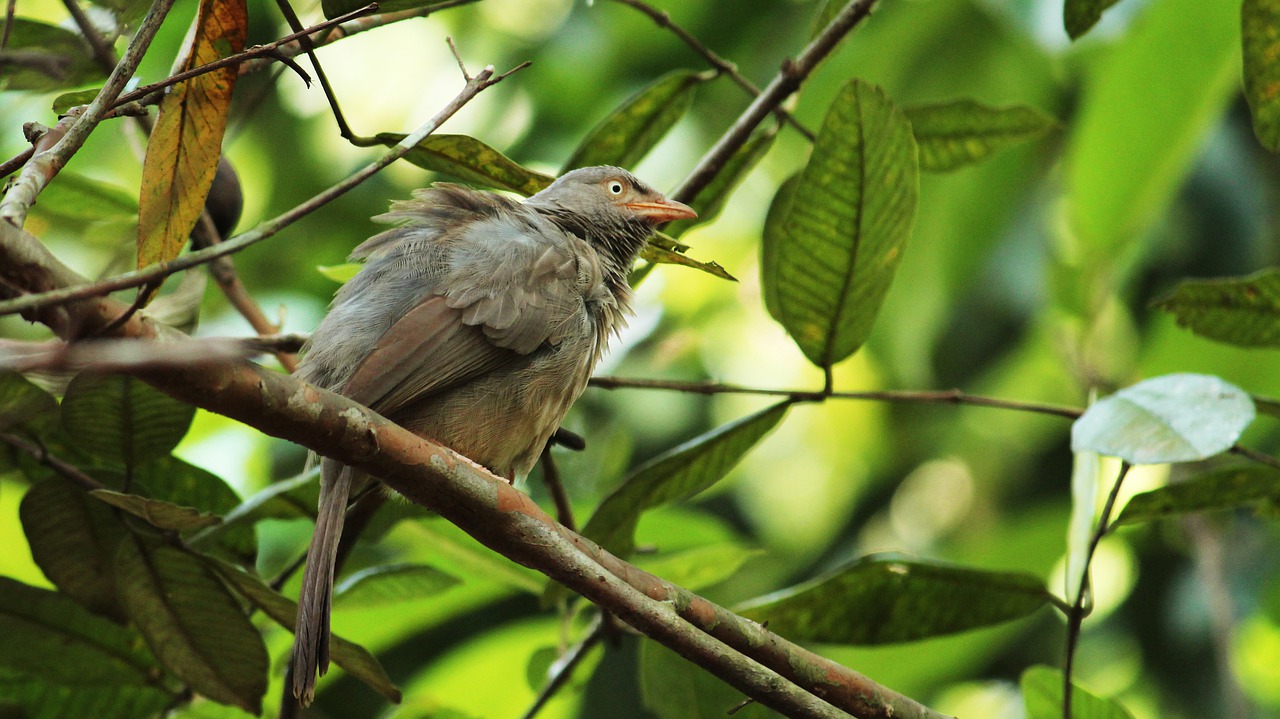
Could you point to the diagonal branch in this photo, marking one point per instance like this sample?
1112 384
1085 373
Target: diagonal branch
72 291
742 653
784 84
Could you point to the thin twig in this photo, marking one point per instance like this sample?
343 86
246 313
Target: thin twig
43 166
784 84
9 166
304 41
41 455
951 396
1075 617
561 671
256 51
484 79
1255 456
103 54
663 20
551 478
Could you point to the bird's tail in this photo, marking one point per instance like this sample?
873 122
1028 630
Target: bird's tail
311 629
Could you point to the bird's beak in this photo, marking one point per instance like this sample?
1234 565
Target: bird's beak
660 211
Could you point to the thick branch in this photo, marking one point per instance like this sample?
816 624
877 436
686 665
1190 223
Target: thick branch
786 82
756 662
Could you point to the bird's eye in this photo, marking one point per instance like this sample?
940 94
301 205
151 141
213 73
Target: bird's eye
615 187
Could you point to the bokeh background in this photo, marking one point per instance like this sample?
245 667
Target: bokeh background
1029 276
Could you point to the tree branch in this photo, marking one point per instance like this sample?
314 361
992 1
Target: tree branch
784 84
44 165
663 20
758 663
72 291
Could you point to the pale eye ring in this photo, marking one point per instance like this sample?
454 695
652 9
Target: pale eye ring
615 187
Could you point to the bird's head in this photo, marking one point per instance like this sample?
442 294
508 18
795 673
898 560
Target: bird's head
609 207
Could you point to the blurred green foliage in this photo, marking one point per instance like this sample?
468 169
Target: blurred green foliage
1030 276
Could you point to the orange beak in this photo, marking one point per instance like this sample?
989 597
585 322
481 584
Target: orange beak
660 211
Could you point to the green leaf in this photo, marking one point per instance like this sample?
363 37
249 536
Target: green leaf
48 635
160 514
1174 418
467 558
38 697
779 208
699 567
350 656
73 540
675 475
1243 311
44 58
391 584
1223 489
954 134
673 688
122 421
77 198
22 403
172 480
628 133
1260 31
710 200
470 160
1078 16
75 98
340 273
658 255
877 600
192 624
843 235
1042 692
1146 106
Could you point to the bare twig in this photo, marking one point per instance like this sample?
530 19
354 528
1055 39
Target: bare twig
561 671
41 455
663 20
1256 456
1075 616
10 165
103 54
304 41
485 78
951 396
784 84
43 166
551 478
256 51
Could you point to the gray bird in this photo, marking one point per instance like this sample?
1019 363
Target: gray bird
476 322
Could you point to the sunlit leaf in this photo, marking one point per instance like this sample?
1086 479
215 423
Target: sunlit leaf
843 235
158 513
84 199
954 134
182 154
699 567
1042 693
677 474
470 160
73 540
628 133
658 255
882 601
43 58
390 584
465 557
711 199
1078 16
1223 489
121 420
340 273
191 623
351 657
1174 418
778 211
67 100
1260 30
1242 311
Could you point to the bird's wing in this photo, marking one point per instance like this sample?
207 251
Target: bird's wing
510 287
